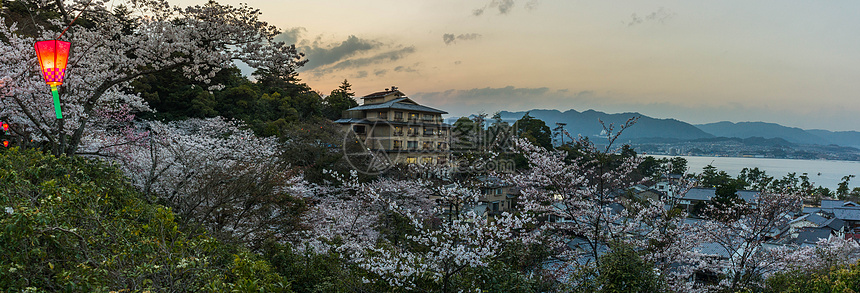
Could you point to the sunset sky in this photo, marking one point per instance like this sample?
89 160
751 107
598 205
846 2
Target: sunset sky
796 63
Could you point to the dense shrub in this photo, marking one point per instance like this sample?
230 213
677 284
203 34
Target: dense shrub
77 225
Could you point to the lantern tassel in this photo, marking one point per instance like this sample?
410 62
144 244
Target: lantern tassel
56 102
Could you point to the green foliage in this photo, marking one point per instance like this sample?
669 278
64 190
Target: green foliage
266 108
711 177
339 100
535 130
308 271
754 179
837 279
318 144
651 167
842 190
76 225
623 270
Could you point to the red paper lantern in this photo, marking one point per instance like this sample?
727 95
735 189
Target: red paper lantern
5 126
53 58
6 143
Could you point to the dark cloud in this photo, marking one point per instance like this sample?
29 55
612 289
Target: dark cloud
405 69
360 74
451 38
392 55
503 6
448 38
319 55
661 16
380 72
290 36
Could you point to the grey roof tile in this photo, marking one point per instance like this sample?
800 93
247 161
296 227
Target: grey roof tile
812 235
396 104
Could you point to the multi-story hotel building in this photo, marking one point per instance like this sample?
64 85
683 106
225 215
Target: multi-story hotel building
389 122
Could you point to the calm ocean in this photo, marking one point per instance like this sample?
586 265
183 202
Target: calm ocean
821 172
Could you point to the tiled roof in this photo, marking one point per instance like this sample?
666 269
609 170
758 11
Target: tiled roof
351 120
812 218
812 235
845 210
835 224
395 104
706 194
830 203
847 214
712 248
809 210
382 94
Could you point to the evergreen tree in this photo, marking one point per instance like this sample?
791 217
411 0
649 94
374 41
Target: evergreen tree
535 130
340 100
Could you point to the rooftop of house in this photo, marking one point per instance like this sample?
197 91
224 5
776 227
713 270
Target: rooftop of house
712 248
844 210
830 203
812 235
492 181
384 93
847 214
705 194
812 218
402 103
835 224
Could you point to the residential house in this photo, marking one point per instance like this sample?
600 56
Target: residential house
500 196
811 236
804 222
704 195
847 211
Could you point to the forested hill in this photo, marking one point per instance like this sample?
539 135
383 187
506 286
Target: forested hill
587 124
773 130
761 129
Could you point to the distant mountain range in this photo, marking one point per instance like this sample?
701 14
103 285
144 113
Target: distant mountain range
648 128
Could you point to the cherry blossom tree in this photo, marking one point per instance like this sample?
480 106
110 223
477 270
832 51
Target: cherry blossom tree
836 251
741 231
216 173
113 51
585 208
433 247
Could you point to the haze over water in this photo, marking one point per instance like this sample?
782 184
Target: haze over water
821 172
